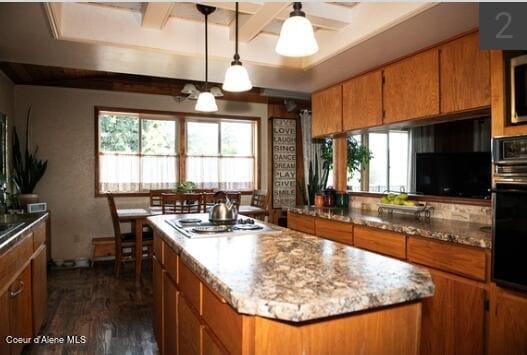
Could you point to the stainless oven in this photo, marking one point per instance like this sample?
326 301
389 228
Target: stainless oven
519 89
509 202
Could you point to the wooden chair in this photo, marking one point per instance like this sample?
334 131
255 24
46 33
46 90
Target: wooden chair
183 203
260 199
211 199
125 242
156 197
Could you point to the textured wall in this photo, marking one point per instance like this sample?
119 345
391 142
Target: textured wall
63 127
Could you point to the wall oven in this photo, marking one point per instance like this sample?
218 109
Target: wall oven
509 202
519 89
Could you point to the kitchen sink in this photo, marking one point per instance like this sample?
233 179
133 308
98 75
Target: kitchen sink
7 227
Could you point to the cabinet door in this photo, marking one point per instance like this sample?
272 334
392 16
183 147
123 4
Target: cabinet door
157 283
465 75
411 87
301 223
362 101
380 241
39 287
453 319
210 345
327 111
508 322
170 329
20 314
188 329
4 322
337 231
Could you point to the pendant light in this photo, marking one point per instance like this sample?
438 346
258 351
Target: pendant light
297 38
206 101
236 76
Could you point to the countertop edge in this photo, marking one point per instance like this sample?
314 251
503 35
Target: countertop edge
12 240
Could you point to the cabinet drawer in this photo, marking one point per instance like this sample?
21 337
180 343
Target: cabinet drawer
190 286
158 248
301 223
171 261
337 231
13 260
39 235
380 241
466 261
226 323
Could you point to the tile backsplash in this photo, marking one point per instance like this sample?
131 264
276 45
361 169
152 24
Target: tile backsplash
458 212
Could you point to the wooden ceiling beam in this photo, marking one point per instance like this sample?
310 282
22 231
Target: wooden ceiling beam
254 24
156 14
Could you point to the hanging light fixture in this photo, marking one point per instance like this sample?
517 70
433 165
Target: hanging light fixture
297 38
236 76
206 101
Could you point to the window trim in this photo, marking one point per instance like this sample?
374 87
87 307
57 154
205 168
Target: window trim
181 118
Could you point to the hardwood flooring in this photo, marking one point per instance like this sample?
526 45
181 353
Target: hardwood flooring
113 315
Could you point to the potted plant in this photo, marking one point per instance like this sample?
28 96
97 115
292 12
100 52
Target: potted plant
27 168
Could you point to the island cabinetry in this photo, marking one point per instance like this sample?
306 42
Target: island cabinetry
337 231
158 289
189 331
327 111
411 87
465 75
380 241
301 223
362 101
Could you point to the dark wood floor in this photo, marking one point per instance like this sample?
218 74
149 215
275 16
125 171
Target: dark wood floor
115 316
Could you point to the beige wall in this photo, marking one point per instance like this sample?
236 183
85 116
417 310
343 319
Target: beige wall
6 95
63 128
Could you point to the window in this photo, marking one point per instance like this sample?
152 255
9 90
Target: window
136 152
221 154
354 181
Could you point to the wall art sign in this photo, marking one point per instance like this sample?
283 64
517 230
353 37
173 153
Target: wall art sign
284 162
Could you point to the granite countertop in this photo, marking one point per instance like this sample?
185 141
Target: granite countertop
460 232
28 220
292 276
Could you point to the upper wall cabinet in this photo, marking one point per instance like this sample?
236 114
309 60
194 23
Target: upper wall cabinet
465 75
411 87
362 101
327 111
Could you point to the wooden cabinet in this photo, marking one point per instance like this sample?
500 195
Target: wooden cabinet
453 320
465 75
337 231
19 308
170 324
211 346
4 322
507 322
326 111
189 331
39 286
411 87
362 101
301 223
380 241
157 284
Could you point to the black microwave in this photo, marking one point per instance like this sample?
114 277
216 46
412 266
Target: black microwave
519 89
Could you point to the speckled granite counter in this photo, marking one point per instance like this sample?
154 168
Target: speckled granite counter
460 232
27 220
296 277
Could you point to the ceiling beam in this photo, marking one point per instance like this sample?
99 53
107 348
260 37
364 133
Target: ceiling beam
156 14
53 11
254 24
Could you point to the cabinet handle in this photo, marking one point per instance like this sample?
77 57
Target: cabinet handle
13 294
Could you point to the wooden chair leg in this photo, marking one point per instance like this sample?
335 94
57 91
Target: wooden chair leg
117 259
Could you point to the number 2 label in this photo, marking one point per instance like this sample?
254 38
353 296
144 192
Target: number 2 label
508 19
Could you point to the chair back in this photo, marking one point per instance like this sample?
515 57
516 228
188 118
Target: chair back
183 203
115 217
260 199
155 196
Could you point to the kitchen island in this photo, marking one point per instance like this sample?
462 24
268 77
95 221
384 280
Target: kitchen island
281 292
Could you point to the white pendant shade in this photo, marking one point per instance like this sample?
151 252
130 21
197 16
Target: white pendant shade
297 38
206 102
237 79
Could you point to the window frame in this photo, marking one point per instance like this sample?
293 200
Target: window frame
181 141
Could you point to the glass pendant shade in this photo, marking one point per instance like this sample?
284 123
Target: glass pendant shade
206 102
237 79
297 38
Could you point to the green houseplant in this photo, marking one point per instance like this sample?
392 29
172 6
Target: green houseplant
27 168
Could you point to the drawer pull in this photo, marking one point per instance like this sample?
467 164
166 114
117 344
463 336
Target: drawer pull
13 294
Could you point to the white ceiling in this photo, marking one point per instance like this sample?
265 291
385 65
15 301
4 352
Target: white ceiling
166 40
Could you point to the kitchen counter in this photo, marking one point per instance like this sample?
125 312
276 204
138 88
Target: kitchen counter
292 276
12 236
460 232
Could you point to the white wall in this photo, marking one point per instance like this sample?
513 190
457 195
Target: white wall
63 127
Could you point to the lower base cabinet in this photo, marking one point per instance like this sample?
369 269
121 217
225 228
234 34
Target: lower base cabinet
210 345
19 307
39 287
157 284
171 302
190 330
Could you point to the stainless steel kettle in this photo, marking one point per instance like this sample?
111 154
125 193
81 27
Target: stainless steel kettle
223 212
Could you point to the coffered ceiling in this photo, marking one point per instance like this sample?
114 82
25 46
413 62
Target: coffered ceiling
167 39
